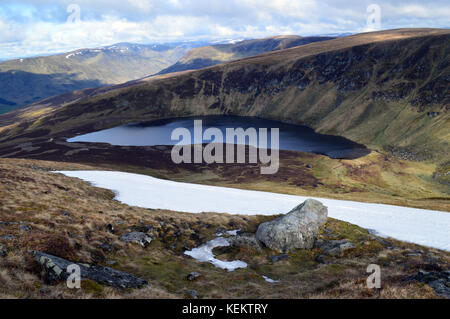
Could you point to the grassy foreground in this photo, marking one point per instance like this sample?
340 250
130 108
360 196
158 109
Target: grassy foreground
67 217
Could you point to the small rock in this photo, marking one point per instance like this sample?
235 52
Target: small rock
3 252
334 251
137 237
278 258
71 235
193 275
245 240
334 247
44 291
109 228
192 294
7 237
322 259
346 246
220 231
25 227
105 247
65 213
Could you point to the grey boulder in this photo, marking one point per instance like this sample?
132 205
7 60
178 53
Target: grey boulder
298 229
54 269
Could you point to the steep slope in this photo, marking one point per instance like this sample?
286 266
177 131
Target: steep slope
205 56
385 89
23 81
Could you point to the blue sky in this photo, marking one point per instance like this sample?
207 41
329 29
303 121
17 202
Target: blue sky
39 27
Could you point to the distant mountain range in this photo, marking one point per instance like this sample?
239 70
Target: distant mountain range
24 81
205 56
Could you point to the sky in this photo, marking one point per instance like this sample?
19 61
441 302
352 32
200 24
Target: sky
42 27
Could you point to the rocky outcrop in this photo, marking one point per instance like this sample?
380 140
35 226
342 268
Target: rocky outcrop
137 237
54 269
298 229
438 280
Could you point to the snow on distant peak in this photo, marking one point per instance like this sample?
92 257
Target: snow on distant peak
74 54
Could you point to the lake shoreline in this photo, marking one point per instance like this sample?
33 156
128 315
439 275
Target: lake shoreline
292 137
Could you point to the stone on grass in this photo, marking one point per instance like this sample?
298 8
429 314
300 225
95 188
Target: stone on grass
298 229
193 275
278 258
438 280
137 237
54 269
334 247
3 252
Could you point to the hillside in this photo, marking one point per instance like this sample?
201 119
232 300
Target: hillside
24 81
205 56
71 219
388 90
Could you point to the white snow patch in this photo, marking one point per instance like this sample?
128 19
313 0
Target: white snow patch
233 232
204 254
269 280
229 232
73 54
420 226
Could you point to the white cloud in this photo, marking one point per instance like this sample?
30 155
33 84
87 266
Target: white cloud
30 27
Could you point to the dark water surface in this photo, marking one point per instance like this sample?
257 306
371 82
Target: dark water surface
291 137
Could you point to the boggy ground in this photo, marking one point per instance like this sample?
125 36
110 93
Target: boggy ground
67 217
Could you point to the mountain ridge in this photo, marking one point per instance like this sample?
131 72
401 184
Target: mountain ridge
354 86
27 80
210 55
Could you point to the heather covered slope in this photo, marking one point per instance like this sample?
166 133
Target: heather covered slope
388 90
66 217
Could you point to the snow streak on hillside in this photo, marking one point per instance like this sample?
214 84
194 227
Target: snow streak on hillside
424 227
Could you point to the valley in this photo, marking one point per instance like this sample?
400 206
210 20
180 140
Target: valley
334 87
386 90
